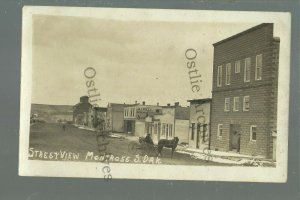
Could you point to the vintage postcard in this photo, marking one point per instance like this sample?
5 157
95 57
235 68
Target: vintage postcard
154 94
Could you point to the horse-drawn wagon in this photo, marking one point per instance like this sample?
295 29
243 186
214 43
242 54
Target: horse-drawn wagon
142 147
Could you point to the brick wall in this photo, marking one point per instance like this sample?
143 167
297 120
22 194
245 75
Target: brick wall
263 93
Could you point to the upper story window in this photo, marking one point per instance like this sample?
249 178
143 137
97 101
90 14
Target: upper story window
258 67
246 105
237 66
228 73
236 103
247 70
219 78
226 106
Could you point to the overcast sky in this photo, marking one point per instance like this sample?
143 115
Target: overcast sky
143 61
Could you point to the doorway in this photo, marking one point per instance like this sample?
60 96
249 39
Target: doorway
198 136
235 137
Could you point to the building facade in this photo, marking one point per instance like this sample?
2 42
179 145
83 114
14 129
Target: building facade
174 122
199 124
115 117
100 117
244 94
138 118
83 113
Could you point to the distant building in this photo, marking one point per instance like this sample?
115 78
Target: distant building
62 116
199 125
244 94
83 112
115 117
138 118
173 122
99 117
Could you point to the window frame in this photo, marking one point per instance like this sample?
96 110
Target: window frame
256 68
227 98
220 125
245 70
245 104
228 73
235 105
219 76
237 63
251 133
171 130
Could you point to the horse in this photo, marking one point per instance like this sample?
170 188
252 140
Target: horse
168 144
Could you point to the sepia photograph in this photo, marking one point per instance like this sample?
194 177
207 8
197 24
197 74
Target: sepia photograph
154 94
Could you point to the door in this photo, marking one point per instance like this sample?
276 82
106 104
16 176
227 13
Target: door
129 127
198 136
235 135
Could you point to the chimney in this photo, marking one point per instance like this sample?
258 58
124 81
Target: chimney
157 104
176 104
84 99
168 104
143 103
135 102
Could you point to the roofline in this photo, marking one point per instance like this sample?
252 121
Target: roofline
202 100
242 33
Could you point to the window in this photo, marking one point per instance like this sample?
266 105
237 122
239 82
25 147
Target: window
226 107
237 66
220 130
193 131
253 132
258 67
246 105
171 130
247 70
167 129
163 129
236 102
228 73
155 129
219 78
158 128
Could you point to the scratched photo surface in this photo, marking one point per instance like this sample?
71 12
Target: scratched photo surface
154 94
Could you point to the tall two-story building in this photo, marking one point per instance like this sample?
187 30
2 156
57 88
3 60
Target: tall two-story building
244 94
83 112
115 117
137 116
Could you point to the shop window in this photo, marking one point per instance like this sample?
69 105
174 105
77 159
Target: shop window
193 131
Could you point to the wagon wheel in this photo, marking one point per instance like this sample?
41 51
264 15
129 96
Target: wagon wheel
133 147
152 150
148 150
